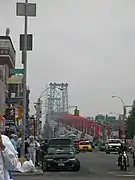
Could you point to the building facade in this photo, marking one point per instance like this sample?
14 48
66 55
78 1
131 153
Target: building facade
7 62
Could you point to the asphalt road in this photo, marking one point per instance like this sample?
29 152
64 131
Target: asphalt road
94 166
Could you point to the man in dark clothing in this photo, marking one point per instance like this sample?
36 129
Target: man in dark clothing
26 149
123 148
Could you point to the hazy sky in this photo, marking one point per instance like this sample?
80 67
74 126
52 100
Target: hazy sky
90 44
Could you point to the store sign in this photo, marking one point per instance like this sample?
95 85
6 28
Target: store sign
15 79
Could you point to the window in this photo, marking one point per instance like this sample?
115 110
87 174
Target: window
84 143
114 141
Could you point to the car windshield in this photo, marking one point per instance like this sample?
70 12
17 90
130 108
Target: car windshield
84 143
62 142
52 151
114 141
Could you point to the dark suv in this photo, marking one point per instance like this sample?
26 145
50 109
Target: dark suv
61 158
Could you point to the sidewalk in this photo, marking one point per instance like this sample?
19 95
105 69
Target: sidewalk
38 172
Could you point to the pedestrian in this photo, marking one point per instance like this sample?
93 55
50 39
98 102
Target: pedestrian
19 145
8 157
27 155
37 152
12 139
32 149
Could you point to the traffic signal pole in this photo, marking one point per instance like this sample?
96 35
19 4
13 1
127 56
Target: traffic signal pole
25 9
24 60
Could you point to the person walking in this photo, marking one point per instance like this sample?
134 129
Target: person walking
32 149
8 157
19 145
27 155
37 152
13 141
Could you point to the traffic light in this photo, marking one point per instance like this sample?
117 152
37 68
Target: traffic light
76 112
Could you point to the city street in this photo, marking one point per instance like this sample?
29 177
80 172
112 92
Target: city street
94 166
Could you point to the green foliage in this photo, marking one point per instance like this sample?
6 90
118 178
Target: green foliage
131 123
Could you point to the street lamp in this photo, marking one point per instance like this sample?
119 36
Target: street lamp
117 97
124 110
37 107
123 105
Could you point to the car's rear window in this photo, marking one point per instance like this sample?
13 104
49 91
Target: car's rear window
84 143
114 141
60 141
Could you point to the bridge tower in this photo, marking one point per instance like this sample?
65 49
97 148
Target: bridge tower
57 99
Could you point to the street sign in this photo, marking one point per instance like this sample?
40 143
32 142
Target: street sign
16 71
30 9
29 42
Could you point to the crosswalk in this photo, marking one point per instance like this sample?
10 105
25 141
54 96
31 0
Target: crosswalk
122 174
64 175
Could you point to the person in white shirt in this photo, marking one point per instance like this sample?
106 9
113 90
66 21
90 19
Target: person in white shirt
8 157
32 149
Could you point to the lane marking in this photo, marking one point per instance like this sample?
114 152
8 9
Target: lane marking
126 175
121 172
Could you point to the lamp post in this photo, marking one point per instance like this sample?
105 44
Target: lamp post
124 111
38 111
123 105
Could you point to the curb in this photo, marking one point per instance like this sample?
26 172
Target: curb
28 173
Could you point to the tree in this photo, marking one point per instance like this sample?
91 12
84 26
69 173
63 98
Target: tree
131 123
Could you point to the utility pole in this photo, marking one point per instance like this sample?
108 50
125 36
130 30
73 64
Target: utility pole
25 9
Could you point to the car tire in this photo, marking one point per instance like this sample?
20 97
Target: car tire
77 168
107 152
44 167
90 150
